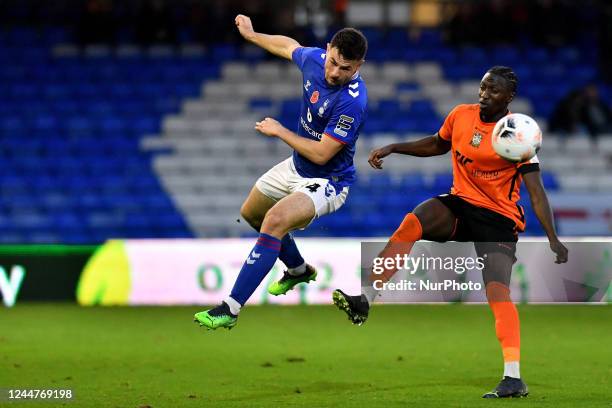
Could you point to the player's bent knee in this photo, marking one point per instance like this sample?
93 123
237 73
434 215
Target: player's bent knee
274 221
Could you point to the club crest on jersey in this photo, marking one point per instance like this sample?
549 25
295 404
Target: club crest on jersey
314 97
476 139
322 108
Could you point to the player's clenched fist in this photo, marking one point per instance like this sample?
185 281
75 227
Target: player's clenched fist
560 251
269 127
244 26
377 155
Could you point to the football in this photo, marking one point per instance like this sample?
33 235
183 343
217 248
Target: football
517 137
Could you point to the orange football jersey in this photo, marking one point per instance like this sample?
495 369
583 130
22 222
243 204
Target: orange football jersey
480 176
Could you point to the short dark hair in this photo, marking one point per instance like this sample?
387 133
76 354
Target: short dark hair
508 74
351 44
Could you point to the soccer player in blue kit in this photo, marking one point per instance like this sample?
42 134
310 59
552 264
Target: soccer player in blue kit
315 180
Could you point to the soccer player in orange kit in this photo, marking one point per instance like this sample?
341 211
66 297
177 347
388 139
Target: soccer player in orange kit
482 207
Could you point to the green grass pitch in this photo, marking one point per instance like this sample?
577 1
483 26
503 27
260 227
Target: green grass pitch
303 356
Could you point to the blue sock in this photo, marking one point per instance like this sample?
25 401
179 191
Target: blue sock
257 265
289 253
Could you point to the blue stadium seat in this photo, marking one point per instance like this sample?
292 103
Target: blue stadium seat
442 182
422 107
457 72
70 129
505 55
381 54
22 36
412 54
429 38
260 103
442 55
388 108
550 181
413 182
396 38
472 55
224 52
537 55
52 35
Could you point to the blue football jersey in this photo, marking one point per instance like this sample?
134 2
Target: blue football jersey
336 111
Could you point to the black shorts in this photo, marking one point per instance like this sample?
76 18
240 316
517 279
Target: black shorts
490 231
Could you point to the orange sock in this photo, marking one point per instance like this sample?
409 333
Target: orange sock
401 243
507 326
409 231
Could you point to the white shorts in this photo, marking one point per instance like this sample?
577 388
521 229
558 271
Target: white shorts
283 179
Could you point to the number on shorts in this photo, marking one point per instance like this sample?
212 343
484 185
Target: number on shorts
313 187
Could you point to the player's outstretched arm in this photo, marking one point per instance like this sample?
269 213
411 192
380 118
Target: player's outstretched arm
426 147
276 44
317 152
541 207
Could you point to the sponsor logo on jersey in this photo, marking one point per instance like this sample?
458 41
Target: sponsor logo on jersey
476 139
462 159
485 174
310 130
353 91
343 125
323 107
314 97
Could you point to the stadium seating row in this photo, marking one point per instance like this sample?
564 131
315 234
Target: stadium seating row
80 164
